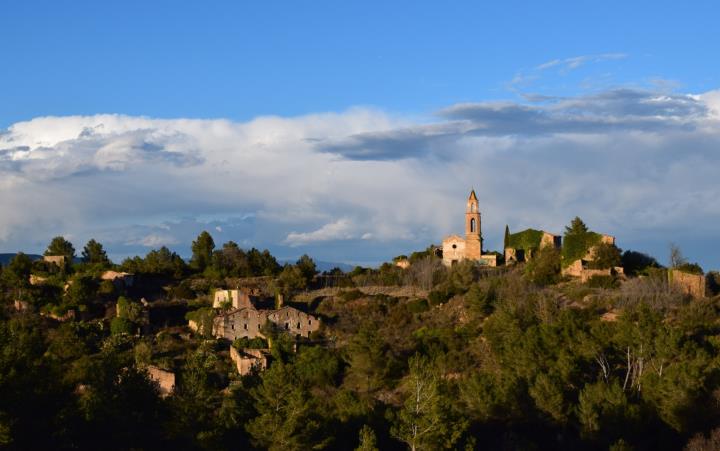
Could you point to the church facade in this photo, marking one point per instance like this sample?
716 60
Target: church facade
456 248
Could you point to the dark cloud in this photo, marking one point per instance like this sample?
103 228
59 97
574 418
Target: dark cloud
605 112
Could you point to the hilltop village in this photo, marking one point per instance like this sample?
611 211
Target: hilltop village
562 340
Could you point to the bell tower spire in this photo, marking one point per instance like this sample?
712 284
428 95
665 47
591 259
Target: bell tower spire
473 234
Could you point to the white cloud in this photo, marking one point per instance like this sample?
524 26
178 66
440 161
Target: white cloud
338 230
366 185
154 241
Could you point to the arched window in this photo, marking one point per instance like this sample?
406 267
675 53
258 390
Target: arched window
472 225
472 208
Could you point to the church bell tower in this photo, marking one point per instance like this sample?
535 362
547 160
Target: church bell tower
473 235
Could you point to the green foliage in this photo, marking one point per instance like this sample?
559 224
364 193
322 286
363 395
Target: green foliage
120 325
203 317
526 240
351 295
291 280
425 421
635 263
160 262
577 241
60 246
202 251
82 290
131 311
480 301
249 343
307 268
606 282
367 441
17 272
606 256
286 419
690 268
437 297
94 253
418 305
544 267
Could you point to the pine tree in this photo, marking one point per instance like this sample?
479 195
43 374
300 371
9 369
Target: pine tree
202 249
93 252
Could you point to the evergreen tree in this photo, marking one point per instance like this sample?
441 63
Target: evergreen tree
60 246
202 249
506 240
94 253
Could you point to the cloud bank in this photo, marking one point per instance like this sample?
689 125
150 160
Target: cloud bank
364 185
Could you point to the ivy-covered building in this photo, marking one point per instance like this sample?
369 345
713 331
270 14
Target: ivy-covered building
521 246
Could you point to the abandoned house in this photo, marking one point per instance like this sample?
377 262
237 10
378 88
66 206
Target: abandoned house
247 322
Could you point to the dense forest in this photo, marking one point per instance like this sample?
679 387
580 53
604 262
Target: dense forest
421 358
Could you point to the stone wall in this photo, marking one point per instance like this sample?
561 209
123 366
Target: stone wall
692 284
55 259
163 378
245 322
586 274
248 359
294 321
238 298
453 248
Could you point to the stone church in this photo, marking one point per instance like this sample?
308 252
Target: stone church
456 248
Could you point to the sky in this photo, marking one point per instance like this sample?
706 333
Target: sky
354 131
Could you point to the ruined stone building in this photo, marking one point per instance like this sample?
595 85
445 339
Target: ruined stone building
456 248
247 322
521 246
246 360
582 268
691 284
237 298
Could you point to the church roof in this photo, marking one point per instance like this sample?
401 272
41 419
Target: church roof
472 195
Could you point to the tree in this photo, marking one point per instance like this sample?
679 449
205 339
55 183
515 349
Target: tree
94 253
424 421
367 440
676 256
202 249
307 268
60 246
636 262
17 272
544 267
285 419
606 256
291 279
506 240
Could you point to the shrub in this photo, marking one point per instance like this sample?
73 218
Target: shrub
544 268
418 306
599 281
351 295
121 326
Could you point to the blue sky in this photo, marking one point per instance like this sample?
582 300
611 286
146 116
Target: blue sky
146 122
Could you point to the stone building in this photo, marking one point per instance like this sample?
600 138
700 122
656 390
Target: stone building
237 298
119 279
582 268
247 322
692 284
521 246
164 379
456 248
58 260
246 360
240 323
294 321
